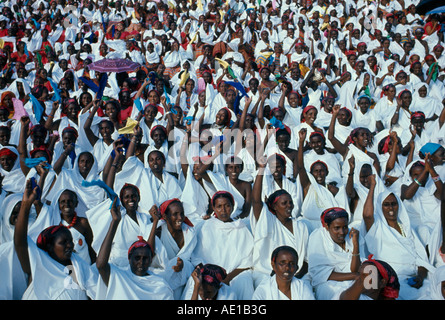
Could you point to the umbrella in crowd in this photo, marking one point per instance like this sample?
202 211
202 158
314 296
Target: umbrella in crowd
114 65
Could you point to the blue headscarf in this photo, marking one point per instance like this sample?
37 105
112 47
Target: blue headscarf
430 148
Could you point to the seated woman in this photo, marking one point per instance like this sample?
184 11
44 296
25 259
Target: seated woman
230 181
69 210
103 145
317 150
333 254
209 285
282 139
132 281
178 236
318 195
358 144
357 188
276 179
388 235
45 261
283 284
85 169
386 288
273 225
232 246
13 179
421 197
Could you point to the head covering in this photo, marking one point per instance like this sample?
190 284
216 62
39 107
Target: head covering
331 214
47 235
430 148
213 274
391 290
140 243
163 207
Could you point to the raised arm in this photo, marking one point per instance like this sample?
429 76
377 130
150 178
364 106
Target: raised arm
339 146
257 190
368 207
92 138
103 257
304 179
21 229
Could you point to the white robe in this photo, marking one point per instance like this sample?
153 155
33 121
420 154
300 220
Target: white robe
324 257
229 245
269 233
123 284
404 253
268 290
51 280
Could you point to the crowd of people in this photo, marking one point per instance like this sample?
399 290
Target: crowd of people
270 150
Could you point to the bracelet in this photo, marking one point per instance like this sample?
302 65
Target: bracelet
417 181
436 178
114 165
356 254
50 116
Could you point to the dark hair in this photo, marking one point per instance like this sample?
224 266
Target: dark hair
223 194
272 198
277 250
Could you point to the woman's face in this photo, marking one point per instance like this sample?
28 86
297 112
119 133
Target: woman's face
175 216
284 206
338 230
343 117
62 248
363 104
276 168
223 209
156 162
293 100
105 130
283 141
319 172
364 174
310 116
85 164
7 163
390 208
130 199
285 265
233 170
140 261
317 144
221 117
422 92
86 99
159 137
416 171
362 139
68 138
391 92
111 111
67 204
150 114
438 157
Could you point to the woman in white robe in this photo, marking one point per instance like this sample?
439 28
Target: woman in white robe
282 284
85 169
232 246
13 178
333 254
48 261
388 235
133 280
272 226
178 236
317 194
